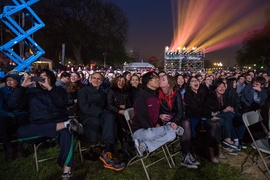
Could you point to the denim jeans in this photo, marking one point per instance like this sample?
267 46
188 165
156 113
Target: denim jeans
193 124
238 128
226 121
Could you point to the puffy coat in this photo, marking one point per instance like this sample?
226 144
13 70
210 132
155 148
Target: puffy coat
5 93
117 97
43 106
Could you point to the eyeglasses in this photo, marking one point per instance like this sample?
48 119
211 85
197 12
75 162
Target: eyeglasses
155 77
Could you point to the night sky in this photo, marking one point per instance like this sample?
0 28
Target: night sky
151 29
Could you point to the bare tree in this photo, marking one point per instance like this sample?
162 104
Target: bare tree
88 27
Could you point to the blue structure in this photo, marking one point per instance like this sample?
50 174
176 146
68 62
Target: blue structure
21 34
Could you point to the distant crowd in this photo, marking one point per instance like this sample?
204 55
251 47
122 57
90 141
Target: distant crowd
92 104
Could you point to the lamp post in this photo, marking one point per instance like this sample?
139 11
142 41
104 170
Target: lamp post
104 54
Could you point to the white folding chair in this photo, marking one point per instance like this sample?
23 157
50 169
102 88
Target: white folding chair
261 145
129 114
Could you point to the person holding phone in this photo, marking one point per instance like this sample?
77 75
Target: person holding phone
46 104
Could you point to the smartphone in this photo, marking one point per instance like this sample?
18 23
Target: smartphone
170 116
36 79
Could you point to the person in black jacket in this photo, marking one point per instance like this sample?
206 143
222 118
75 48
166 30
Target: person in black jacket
72 89
98 123
135 87
197 112
118 98
172 110
239 127
46 105
220 104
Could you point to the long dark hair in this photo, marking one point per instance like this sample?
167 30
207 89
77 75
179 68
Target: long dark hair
173 89
115 81
200 93
184 86
230 83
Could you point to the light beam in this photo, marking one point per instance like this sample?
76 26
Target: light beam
214 24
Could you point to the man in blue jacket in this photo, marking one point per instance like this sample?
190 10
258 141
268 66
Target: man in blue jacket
10 119
254 95
48 117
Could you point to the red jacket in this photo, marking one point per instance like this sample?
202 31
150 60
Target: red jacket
146 110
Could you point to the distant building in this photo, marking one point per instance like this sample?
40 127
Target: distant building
135 54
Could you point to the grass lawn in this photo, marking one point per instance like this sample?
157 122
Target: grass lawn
94 170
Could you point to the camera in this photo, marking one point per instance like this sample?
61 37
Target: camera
36 79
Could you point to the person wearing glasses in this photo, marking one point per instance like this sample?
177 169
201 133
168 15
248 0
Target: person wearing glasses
46 105
198 114
99 124
149 131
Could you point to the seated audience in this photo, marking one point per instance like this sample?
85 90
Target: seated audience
220 105
239 127
46 105
135 88
172 110
181 84
196 111
64 79
99 124
149 133
240 85
127 75
10 119
248 79
118 100
253 95
161 73
72 89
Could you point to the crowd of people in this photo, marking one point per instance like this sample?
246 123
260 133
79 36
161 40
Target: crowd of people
166 105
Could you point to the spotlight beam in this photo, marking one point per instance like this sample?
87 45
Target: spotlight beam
214 24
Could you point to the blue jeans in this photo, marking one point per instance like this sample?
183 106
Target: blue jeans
193 124
238 128
226 121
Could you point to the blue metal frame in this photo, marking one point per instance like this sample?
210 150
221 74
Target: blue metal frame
20 34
